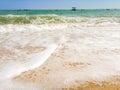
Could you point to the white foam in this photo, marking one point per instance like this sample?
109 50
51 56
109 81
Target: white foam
15 68
30 27
96 45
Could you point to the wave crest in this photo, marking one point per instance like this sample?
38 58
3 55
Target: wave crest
48 19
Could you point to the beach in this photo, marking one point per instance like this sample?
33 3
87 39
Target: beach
54 52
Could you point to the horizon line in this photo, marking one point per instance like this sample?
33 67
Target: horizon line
66 9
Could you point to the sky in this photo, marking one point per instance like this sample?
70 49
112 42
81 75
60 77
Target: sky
59 4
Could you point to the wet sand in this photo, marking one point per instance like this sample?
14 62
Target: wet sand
68 58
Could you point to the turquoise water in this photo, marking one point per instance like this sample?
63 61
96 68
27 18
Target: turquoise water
83 13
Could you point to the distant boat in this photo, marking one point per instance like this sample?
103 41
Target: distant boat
26 9
108 9
23 10
73 8
56 9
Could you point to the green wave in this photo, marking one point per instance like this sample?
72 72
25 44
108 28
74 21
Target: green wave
49 19
29 19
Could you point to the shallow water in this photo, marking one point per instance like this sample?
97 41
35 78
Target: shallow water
70 52
55 51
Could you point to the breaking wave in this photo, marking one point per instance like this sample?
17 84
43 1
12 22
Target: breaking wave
49 19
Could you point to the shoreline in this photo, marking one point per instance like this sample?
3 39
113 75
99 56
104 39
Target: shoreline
86 52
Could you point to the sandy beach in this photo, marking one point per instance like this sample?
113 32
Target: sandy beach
61 56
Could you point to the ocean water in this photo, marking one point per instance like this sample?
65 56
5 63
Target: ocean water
82 46
85 17
82 12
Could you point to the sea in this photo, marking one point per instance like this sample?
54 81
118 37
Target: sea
85 17
74 48
81 12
